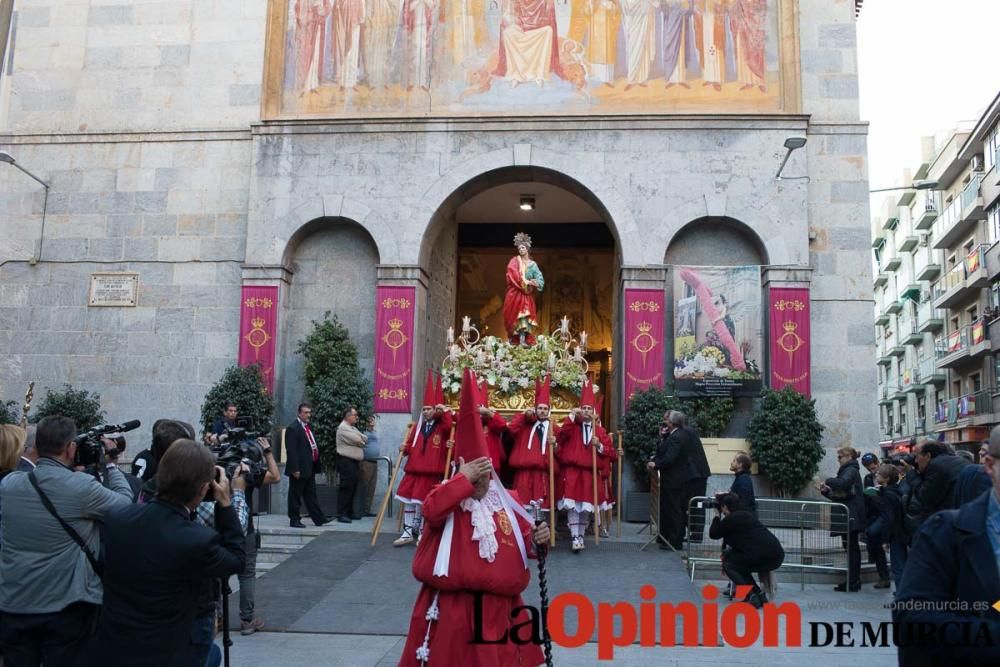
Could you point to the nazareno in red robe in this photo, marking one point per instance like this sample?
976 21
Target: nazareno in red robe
501 583
577 466
425 461
530 465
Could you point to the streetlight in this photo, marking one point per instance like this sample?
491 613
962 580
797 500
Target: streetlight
916 185
792 143
9 159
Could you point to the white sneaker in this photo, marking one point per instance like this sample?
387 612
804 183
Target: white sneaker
404 539
604 532
577 544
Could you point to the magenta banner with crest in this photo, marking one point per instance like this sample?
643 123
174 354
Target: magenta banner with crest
395 307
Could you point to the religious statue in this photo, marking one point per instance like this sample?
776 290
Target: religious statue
520 316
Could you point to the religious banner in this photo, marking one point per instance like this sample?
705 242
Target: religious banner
645 312
258 324
717 330
789 326
394 348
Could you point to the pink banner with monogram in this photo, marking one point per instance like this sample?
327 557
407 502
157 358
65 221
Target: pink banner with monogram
789 320
258 324
394 348
645 315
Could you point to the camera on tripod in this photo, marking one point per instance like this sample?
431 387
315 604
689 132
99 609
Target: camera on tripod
90 449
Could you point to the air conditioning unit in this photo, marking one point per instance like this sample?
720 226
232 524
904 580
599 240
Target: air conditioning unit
977 163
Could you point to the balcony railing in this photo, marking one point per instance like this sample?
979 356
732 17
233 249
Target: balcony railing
926 368
972 264
961 339
948 217
926 312
971 191
964 407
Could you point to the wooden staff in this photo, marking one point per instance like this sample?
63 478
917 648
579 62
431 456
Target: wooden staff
27 404
618 505
451 449
552 491
597 504
388 492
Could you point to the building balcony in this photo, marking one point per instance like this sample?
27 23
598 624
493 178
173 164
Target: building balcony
959 219
973 206
914 337
891 221
929 319
881 279
894 307
882 319
897 351
882 357
928 211
908 243
892 263
927 372
928 272
964 346
883 395
969 409
963 281
911 292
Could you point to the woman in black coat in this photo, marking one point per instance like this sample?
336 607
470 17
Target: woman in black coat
847 488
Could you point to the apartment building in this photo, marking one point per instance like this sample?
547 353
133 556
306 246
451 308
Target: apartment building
937 293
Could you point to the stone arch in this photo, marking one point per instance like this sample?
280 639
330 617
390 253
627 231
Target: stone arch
720 241
332 264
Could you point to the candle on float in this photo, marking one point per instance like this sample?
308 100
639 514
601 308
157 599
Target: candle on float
466 324
451 335
564 325
583 339
577 354
552 360
453 352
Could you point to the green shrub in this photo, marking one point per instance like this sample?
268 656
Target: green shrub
641 428
244 386
10 413
80 405
334 382
785 438
710 416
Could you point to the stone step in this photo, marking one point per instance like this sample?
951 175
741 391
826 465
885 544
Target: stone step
286 539
275 554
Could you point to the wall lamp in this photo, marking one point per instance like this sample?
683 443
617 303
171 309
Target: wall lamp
9 159
792 143
916 185
527 202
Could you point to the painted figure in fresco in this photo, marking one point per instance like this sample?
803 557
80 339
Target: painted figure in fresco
749 20
711 41
310 15
381 24
345 47
529 48
729 49
637 18
524 278
676 40
419 17
602 39
467 29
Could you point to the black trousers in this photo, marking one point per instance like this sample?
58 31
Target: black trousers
672 516
739 568
59 638
694 488
853 558
348 470
300 490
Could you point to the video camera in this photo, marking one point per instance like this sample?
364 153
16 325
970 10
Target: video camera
90 449
238 446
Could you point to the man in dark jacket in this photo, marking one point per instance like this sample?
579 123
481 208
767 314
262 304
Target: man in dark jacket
302 466
742 484
158 562
888 526
696 484
955 563
876 554
750 547
939 468
848 489
672 461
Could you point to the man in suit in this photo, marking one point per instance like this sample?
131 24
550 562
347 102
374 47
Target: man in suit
952 579
698 472
29 457
158 562
302 466
750 547
672 460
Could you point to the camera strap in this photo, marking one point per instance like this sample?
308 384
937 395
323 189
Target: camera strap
94 563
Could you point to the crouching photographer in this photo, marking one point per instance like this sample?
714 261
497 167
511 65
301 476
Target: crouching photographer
750 547
160 563
50 584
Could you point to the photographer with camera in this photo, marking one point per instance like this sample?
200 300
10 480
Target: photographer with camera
750 547
50 585
160 563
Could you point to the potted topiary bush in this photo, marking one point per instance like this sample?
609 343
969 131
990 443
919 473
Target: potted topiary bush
80 405
785 439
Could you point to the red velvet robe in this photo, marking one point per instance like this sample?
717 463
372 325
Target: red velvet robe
494 429
518 301
576 464
605 490
501 583
531 467
425 461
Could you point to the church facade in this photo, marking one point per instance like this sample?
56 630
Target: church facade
208 148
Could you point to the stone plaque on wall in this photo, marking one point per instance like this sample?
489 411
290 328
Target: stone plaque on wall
113 289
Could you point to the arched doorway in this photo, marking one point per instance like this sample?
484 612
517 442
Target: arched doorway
332 262
470 240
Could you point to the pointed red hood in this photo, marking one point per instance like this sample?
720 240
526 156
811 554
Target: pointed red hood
587 395
430 390
543 391
470 443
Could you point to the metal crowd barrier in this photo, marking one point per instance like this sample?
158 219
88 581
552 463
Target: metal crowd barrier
810 532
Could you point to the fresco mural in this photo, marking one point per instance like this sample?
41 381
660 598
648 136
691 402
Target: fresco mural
483 57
